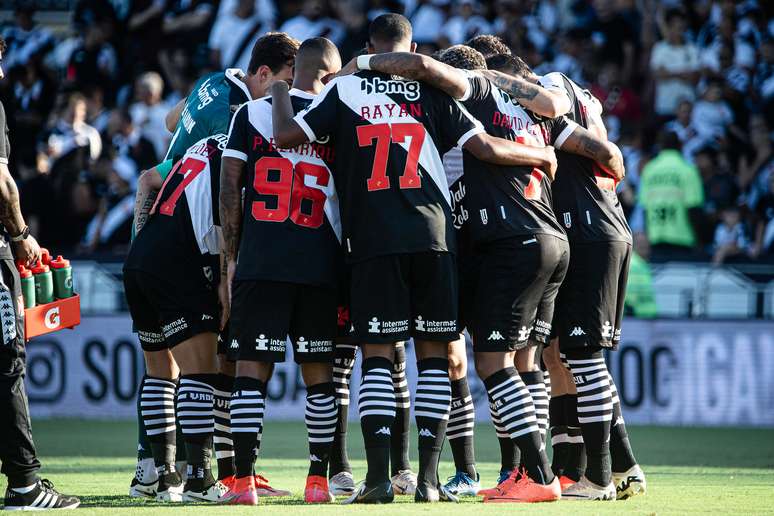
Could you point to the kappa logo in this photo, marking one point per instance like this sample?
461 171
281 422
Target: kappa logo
409 89
234 344
524 333
424 432
207 317
374 325
607 330
260 343
302 345
496 335
577 332
314 458
208 273
385 430
420 323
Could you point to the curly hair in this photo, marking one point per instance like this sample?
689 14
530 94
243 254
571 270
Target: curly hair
489 45
463 57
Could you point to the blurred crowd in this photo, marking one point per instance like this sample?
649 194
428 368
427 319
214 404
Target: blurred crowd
687 86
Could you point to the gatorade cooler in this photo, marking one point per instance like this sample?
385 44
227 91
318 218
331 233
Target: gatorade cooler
59 313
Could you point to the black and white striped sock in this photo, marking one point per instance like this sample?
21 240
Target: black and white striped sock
224 446
512 402
595 411
246 410
621 453
535 382
510 456
401 429
376 403
320 417
195 410
462 419
343 362
431 410
157 408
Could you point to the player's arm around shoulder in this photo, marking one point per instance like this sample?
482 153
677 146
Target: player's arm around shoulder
578 140
500 151
542 101
418 67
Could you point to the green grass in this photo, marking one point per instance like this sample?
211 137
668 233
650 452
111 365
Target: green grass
720 471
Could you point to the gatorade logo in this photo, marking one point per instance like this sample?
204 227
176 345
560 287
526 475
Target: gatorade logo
51 319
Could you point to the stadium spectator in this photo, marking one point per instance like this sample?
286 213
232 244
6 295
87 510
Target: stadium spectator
465 24
731 237
313 21
234 34
129 143
640 299
428 20
111 227
25 40
671 193
148 111
72 141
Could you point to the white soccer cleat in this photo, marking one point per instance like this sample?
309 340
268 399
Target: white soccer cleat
404 483
216 493
585 489
630 483
173 494
341 484
145 480
181 467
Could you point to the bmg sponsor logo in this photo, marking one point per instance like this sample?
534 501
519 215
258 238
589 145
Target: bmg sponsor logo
46 367
375 85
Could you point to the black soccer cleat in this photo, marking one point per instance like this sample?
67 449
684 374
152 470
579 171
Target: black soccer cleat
170 488
380 493
42 498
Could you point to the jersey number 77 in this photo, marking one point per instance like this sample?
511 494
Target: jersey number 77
386 134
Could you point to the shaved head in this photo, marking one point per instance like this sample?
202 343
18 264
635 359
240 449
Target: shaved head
390 32
318 54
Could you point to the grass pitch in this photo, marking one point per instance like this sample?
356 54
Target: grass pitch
720 471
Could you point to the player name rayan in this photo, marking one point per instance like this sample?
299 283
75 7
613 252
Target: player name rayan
319 150
377 111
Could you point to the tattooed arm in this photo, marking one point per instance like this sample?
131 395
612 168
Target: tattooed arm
148 186
12 220
505 152
422 68
232 172
532 96
585 143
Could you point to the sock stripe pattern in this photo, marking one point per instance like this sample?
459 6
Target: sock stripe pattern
399 382
462 418
157 405
195 407
433 398
224 446
246 410
498 425
321 417
377 395
513 404
343 363
540 400
616 401
592 381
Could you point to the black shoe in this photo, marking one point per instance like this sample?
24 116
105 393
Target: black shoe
380 493
43 497
426 493
170 488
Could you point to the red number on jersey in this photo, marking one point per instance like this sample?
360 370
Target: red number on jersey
534 189
190 168
291 191
384 134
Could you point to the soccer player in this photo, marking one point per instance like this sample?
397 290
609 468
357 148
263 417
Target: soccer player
172 293
206 111
282 254
588 315
398 235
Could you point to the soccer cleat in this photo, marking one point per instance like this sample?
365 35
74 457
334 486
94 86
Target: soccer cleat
430 494
341 484
42 497
263 488
381 493
462 485
565 482
215 493
504 476
145 480
630 483
526 490
170 487
241 492
404 483
585 489
316 490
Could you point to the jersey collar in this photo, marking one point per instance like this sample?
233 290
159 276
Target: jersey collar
300 93
234 75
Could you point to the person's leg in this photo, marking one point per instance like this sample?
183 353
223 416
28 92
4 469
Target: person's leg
224 384
321 416
462 416
344 361
527 364
399 442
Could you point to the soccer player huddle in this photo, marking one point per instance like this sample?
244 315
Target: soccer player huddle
399 197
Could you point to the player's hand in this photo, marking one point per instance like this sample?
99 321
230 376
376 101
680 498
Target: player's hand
349 68
27 251
279 88
617 170
551 165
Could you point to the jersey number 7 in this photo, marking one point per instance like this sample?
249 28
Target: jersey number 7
189 169
385 134
303 204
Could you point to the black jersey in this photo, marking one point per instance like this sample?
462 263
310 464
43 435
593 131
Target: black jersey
183 228
5 153
290 228
505 201
585 199
389 135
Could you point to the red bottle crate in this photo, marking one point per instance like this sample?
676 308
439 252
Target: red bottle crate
51 317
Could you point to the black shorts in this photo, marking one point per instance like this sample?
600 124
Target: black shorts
11 309
344 330
467 271
165 313
518 280
265 313
395 297
223 340
590 305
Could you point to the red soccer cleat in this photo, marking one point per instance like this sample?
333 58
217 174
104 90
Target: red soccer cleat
241 491
565 482
263 488
501 487
526 490
316 490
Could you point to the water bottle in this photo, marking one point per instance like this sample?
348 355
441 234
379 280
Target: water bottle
63 277
45 256
27 286
44 283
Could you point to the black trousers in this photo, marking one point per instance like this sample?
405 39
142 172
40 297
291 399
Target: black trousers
17 451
